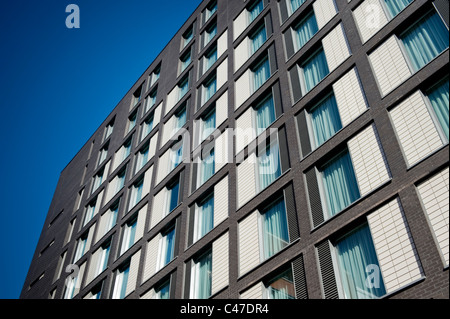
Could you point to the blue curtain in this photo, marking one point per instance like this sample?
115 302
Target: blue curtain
340 183
326 120
205 218
181 119
210 89
173 197
208 166
210 60
269 166
132 230
185 62
184 88
256 10
209 125
265 115
261 74
355 253
170 246
295 4
315 70
123 288
275 230
164 291
395 6
439 98
210 34
177 156
305 30
426 40
258 39
204 283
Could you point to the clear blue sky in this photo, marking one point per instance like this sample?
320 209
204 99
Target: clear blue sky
57 85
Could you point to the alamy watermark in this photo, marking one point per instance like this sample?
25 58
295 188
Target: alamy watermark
73 19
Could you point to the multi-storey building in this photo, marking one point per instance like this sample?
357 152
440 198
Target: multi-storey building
274 149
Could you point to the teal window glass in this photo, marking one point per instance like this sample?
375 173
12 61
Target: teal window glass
265 114
315 70
305 30
257 39
396 6
282 286
275 229
261 74
439 98
326 120
255 10
269 166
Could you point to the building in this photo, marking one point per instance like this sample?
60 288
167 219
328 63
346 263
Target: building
346 197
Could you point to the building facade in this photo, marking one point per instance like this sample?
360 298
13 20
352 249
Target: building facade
274 149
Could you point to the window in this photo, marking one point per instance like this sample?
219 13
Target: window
183 88
167 247
439 100
142 157
173 194
121 179
180 118
185 60
129 234
137 96
339 183
97 180
325 120
71 286
209 59
294 5
260 74
103 154
147 126
109 129
281 286
204 217
275 228
305 30
207 168
163 291
154 76
96 292
111 217
425 40
102 261
201 283
150 100
81 247
254 10
208 124
176 155
265 114
210 10
210 33
132 121
396 6
269 165
257 39
187 37
90 212
121 281
314 70
209 88
136 193
355 255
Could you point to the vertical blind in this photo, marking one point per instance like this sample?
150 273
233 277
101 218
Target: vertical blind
339 180
355 253
326 120
439 98
426 40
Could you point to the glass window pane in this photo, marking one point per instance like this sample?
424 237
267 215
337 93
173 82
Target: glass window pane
339 180
305 30
209 124
315 70
170 247
269 166
255 10
265 115
439 98
203 283
356 254
205 218
173 197
295 4
282 286
261 74
275 229
326 120
258 39
395 6
426 40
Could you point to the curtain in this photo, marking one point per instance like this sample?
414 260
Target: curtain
355 253
395 6
439 98
315 70
148 126
209 125
326 120
269 166
426 40
305 30
184 88
170 246
103 260
265 115
210 88
181 119
255 11
112 218
164 291
340 183
204 283
205 218
210 34
258 39
210 60
275 230
123 281
208 167
173 197
295 4
80 249
177 155
261 74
